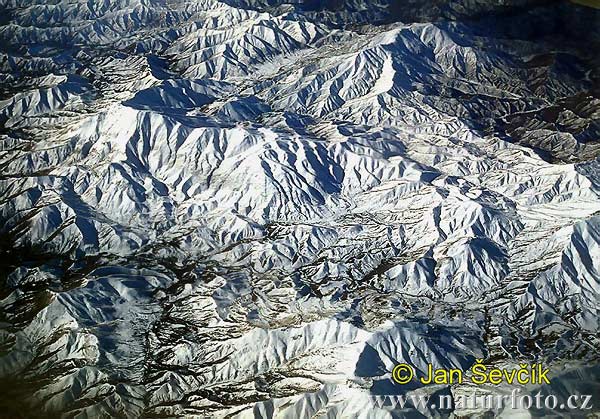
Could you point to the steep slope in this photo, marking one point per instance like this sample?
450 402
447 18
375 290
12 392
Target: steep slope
222 208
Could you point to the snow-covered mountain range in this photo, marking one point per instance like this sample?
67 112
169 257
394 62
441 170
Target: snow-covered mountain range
249 208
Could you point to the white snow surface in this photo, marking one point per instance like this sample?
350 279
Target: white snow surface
216 211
